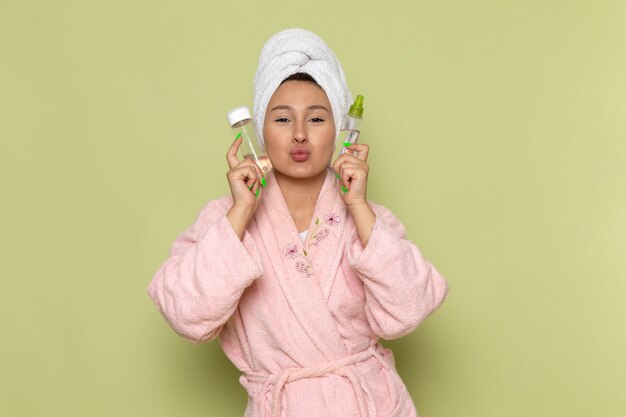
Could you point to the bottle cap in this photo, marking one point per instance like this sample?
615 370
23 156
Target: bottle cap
238 114
356 110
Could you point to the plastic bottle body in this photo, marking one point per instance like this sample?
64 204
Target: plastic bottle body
350 132
351 126
250 147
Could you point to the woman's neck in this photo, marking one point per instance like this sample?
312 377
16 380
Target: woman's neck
301 196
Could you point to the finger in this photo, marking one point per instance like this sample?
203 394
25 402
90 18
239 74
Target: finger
250 182
254 174
251 162
254 184
360 150
349 156
231 155
345 177
342 159
245 174
352 165
259 174
348 173
351 171
253 166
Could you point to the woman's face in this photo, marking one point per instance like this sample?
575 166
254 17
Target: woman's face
299 130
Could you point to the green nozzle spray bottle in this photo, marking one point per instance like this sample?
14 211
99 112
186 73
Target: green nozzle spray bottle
351 127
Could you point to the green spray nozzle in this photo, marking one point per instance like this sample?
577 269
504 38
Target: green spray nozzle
356 110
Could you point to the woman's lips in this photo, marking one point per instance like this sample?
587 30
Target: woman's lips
299 155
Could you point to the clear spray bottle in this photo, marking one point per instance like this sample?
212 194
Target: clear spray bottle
351 126
242 126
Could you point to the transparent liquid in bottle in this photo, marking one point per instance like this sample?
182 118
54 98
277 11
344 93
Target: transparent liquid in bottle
262 161
346 136
250 147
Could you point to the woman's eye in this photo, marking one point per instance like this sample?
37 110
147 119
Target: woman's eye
282 120
317 120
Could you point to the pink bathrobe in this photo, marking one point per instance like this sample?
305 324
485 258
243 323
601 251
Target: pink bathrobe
301 320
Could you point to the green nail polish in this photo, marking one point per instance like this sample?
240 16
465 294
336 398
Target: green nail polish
238 136
257 192
337 175
346 144
250 187
344 189
263 182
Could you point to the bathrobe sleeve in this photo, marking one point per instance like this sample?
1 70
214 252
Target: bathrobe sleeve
401 287
198 287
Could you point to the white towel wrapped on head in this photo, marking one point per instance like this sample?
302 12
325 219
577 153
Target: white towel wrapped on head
298 50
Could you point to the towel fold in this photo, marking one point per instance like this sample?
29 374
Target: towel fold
298 50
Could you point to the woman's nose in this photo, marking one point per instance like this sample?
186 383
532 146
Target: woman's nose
299 134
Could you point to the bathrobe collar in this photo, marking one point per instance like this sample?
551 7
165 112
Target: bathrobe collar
306 270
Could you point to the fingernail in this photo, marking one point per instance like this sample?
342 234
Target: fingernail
250 187
257 192
346 144
238 136
337 175
344 189
263 182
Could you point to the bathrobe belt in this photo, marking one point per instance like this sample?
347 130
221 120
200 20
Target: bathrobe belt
339 367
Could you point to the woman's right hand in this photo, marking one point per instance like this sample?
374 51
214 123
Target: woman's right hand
244 180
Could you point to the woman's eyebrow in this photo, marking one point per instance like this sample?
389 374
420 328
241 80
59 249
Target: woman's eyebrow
282 107
317 107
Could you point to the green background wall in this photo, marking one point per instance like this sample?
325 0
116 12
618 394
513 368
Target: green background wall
498 136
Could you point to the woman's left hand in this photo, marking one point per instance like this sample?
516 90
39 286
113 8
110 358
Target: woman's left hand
353 169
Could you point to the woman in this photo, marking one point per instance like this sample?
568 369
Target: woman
300 279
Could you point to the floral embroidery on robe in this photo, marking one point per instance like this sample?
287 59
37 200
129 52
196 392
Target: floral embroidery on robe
291 251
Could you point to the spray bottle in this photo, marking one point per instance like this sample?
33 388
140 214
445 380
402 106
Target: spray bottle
351 126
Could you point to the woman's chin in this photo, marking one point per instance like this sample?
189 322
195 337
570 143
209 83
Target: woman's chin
301 172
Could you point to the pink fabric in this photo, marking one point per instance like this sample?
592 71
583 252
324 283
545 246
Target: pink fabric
301 320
